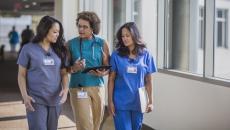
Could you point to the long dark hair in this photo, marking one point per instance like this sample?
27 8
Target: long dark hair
42 30
135 34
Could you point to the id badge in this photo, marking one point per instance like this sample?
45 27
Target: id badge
132 69
48 61
82 94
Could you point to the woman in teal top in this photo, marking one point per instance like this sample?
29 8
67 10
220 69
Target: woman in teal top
86 89
91 50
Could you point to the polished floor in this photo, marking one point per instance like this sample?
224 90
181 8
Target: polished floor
12 110
13 116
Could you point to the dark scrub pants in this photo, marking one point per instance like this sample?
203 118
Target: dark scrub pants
128 120
44 117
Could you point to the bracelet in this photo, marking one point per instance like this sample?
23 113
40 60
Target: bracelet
71 70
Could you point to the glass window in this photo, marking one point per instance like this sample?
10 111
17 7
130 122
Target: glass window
221 48
201 27
221 31
185 35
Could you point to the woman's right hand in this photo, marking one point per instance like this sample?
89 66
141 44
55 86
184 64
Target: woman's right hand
111 109
28 103
78 65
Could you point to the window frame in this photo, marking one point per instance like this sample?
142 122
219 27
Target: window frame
209 44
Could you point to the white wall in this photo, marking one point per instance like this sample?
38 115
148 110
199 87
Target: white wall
184 104
66 11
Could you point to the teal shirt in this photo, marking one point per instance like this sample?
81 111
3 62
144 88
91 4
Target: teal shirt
92 52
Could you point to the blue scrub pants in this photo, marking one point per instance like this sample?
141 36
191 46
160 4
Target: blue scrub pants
128 120
44 117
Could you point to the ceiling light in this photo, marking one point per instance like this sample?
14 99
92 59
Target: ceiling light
34 3
27 6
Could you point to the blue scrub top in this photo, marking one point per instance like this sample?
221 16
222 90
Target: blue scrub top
43 81
126 84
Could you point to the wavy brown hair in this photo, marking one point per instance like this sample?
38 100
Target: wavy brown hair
135 34
92 18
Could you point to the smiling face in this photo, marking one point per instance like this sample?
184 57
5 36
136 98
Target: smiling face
84 29
127 38
53 33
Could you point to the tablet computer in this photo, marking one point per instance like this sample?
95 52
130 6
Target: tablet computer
86 70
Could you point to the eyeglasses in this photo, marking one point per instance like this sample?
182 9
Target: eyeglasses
82 26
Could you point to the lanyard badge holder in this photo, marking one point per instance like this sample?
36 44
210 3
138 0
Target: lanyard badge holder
81 94
48 60
131 68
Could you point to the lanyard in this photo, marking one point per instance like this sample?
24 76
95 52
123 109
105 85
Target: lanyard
81 49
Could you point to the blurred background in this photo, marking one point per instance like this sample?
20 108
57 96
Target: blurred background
189 39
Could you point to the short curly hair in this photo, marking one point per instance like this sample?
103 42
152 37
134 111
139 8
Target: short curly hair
92 18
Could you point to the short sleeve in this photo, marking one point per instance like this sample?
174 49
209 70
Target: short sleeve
113 62
23 58
151 64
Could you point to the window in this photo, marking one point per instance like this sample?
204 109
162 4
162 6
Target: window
221 48
193 38
222 30
201 27
184 35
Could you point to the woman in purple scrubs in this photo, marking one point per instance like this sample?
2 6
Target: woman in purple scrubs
132 66
42 75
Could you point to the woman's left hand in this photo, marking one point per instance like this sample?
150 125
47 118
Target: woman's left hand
149 107
99 73
63 94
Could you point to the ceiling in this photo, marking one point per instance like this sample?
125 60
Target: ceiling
8 7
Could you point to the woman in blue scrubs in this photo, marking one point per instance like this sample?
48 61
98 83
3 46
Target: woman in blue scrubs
132 66
42 75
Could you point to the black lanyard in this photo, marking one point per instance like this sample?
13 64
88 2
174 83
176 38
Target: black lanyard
81 48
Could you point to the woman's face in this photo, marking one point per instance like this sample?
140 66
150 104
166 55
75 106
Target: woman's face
53 33
84 29
127 38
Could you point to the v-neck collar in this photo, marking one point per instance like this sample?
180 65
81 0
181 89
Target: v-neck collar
43 50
